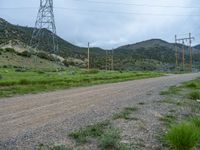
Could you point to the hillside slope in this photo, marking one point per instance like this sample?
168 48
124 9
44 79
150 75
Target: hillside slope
154 54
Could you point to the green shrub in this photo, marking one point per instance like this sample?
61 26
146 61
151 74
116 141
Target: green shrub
54 147
1 77
24 54
19 69
44 55
125 113
83 134
196 122
182 137
10 50
24 82
194 95
192 85
110 140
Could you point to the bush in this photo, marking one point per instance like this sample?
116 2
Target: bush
44 55
194 95
192 85
183 137
196 122
83 134
19 69
110 140
24 54
10 50
24 82
1 77
91 71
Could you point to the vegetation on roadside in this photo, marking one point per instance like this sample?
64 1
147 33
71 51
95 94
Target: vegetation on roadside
185 134
17 81
54 147
92 131
126 113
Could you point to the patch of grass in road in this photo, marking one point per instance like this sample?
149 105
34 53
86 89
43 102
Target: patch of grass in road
54 147
171 90
170 100
184 136
110 139
13 82
106 135
194 95
92 131
168 119
191 85
125 113
141 103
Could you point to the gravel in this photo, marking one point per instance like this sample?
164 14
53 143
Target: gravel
47 118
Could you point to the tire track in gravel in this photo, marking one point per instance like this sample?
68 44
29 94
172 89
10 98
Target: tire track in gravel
29 112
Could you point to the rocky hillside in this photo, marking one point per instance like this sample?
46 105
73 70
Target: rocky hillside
154 54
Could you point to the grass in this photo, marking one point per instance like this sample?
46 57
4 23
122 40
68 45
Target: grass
125 113
92 131
13 82
110 140
194 95
107 136
183 136
54 147
192 85
168 119
171 90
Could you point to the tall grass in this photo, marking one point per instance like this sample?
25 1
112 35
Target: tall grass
13 82
184 136
194 95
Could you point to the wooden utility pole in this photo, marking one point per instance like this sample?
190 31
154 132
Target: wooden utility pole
190 46
183 40
106 60
112 62
183 55
88 56
176 51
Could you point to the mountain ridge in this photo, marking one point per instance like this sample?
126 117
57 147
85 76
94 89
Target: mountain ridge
153 52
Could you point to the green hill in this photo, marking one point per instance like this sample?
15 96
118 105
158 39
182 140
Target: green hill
154 54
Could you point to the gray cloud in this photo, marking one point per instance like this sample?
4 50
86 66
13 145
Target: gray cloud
109 30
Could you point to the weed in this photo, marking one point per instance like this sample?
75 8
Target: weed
110 139
196 122
94 131
32 81
54 147
141 103
168 119
125 113
182 137
194 95
171 90
191 85
91 71
24 82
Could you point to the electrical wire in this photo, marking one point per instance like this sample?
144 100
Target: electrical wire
140 5
110 12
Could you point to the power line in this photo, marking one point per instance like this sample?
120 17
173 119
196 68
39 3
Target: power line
139 5
128 13
114 12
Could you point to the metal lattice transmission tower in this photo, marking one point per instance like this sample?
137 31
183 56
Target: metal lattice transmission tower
45 20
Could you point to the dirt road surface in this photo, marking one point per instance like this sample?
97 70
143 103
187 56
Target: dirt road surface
26 121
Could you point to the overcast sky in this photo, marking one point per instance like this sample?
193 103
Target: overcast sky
112 23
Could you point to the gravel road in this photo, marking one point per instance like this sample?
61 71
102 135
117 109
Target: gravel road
26 121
